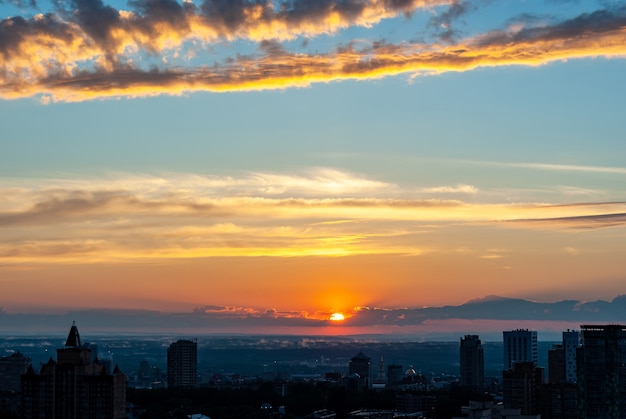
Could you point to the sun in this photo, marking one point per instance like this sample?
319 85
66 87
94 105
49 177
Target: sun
337 317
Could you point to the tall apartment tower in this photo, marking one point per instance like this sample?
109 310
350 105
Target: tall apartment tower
182 364
602 372
556 364
520 345
562 359
522 385
11 369
472 360
571 343
73 387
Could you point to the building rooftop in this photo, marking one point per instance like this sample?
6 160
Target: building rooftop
73 338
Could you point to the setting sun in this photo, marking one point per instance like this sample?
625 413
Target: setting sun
337 317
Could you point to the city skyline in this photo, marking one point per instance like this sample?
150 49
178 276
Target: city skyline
300 160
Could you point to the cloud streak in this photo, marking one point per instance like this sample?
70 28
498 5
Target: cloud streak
560 167
184 216
87 57
583 222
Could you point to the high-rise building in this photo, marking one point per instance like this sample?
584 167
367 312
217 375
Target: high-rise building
395 373
561 393
522 385
182 364
520 345
360 364
571 343
11 369
562 359
556 364
73 387
472 360
602 371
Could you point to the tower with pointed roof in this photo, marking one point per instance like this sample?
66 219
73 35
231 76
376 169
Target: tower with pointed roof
73 386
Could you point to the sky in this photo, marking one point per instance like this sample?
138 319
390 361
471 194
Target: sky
295 159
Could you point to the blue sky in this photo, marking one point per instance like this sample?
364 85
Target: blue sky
571 114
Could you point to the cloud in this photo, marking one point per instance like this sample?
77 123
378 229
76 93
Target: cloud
492 308
583 222
561 167
461 188
88 57
580 192
488 314
92 40
442 22
22 4
322 212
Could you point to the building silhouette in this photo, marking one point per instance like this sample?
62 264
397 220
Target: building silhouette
395 373
11 369
556 364
182 364
359 371
472 362
380 381
571 343
602 372
522 387
562 359
73 386
520 345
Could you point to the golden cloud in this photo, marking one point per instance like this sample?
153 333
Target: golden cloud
83 62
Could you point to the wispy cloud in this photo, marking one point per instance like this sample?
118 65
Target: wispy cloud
186 216
442 22
455 189
583 222
559 167
87 57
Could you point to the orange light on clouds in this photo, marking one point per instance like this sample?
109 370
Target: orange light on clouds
59 80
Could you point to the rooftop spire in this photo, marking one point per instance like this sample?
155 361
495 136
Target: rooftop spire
73 339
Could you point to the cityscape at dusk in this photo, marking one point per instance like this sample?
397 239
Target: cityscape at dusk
313 167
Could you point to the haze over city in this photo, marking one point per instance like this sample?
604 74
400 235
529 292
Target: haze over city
267 166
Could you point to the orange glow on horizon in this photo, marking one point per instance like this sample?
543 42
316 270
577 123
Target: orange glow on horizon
337 317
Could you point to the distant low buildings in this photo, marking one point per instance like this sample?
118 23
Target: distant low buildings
147 376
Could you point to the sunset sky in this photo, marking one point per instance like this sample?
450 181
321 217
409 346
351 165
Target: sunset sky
294 159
